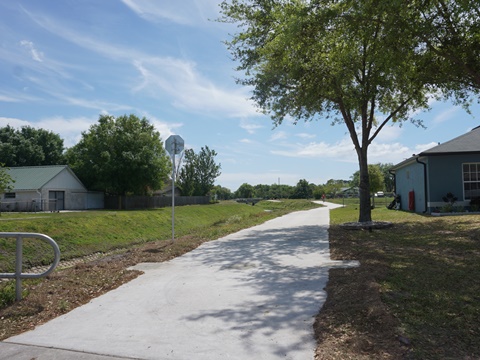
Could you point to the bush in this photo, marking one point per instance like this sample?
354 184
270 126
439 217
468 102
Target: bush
475 204
7 294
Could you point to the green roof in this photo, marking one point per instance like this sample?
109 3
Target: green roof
34 177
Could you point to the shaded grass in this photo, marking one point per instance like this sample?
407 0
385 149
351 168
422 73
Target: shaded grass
419 278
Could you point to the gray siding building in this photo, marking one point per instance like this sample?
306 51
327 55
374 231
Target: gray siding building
452 167
48 188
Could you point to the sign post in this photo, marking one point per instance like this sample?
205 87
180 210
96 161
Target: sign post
174 145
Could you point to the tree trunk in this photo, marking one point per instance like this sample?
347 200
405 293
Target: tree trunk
365 213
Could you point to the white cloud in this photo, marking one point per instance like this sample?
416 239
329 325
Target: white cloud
16 123
250 127
163 127
5 98
101 106
278 135
445 115
344 151
188 88
389 133
306 136
185 12
34 53
423 147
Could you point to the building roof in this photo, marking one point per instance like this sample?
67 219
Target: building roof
35 177
466 143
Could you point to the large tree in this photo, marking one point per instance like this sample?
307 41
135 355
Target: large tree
334 59
29 146
199 171
123 155
447 32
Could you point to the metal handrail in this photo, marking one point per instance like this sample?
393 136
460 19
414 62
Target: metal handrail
18 275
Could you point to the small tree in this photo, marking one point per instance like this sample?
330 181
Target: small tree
6 182
245 191
199 171
302 190
187 176
221 193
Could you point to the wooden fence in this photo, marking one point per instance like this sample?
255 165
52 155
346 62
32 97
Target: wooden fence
151 202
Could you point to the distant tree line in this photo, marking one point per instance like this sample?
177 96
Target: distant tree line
119 156
381 180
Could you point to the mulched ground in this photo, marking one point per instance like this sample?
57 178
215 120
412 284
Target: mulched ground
354 323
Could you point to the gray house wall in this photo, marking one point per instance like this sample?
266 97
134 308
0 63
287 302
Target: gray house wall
447 170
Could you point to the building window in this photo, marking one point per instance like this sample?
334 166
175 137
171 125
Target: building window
471 180
9 195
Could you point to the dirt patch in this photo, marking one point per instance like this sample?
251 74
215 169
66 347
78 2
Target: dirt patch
354 323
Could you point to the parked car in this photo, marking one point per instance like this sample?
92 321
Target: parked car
379 194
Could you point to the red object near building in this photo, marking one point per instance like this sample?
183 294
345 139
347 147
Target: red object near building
411 201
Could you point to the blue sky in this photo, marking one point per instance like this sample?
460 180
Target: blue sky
63 63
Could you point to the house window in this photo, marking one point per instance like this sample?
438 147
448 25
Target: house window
471 180
9 195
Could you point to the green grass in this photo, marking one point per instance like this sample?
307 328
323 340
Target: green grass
83 233
432 278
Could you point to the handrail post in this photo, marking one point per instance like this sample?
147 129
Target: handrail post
18 267
18 275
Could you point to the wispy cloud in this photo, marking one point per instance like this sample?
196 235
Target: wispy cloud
278 135
344 151
185 12
158 76
188 88
34 53
250 126
306 136
445 115
6 98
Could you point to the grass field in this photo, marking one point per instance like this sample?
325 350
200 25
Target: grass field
419 282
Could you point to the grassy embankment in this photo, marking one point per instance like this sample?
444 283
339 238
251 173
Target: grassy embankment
83 233
425 274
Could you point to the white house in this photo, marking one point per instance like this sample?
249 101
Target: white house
48 188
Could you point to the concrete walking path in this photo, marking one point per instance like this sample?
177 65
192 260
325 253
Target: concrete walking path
250 295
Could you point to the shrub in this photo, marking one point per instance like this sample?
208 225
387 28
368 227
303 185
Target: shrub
475 204
7 294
